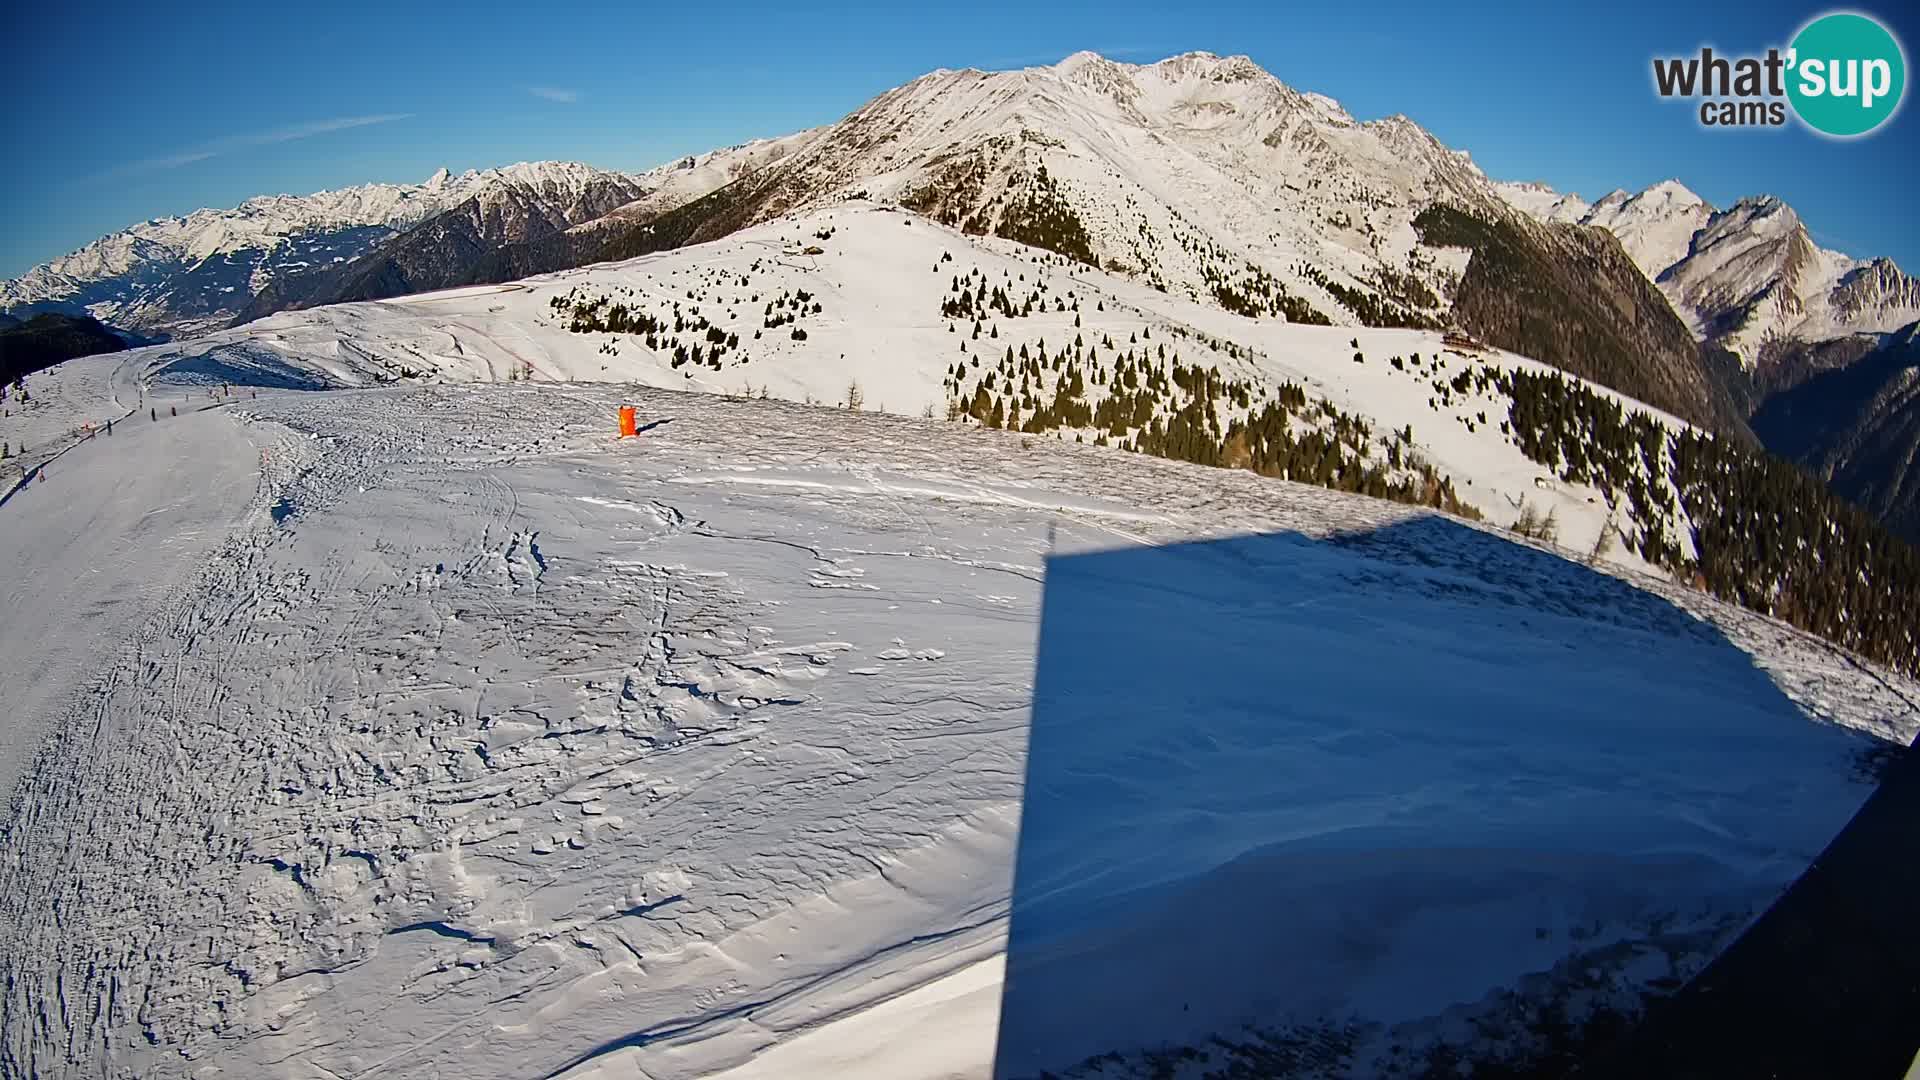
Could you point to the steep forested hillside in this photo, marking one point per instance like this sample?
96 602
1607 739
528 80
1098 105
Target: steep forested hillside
1858 427
1569 295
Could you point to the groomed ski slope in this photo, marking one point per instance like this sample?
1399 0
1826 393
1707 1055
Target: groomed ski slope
487 745
105 525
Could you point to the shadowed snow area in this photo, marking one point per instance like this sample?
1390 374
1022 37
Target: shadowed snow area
1826 983
486 745
1351 784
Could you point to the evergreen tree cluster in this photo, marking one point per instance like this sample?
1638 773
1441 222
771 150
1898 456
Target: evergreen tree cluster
1045 219
956 195
1772 538
49 338
1406 290
1257 294
1336 452
1570 297
1141 396
1765 535
789 307
683 334
1369 308
970 299
1145 245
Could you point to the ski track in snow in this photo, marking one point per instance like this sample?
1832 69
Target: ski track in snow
486 745
118 518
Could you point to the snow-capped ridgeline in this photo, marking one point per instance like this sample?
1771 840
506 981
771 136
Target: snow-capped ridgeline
1543 202
1195 172
1741 276
686 179
266 220
184 275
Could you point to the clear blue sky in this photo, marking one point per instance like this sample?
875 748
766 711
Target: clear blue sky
124 111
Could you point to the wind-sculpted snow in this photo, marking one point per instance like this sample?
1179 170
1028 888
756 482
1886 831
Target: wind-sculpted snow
488 745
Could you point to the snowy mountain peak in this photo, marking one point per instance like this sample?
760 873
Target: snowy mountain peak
1672 192
1332 109
1091 69
1664 198
1618 197
1746 220
174 275
1743 276
1201 172
1766 214
1085 58
1541 201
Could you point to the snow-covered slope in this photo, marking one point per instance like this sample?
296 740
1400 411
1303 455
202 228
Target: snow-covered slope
883 283
1199 173
488 745
1744 276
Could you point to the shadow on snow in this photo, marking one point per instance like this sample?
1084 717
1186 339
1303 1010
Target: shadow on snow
1349 801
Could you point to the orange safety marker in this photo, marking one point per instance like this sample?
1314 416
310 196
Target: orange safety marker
629 424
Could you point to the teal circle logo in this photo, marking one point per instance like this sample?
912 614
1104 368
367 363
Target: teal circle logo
1847 75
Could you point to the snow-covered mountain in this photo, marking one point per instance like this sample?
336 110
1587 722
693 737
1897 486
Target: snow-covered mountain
677 183
1208 178
1201 175
186 275
1201 172
1543 202
1656 226
1744 277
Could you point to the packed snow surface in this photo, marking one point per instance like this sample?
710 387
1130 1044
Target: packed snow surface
461 738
